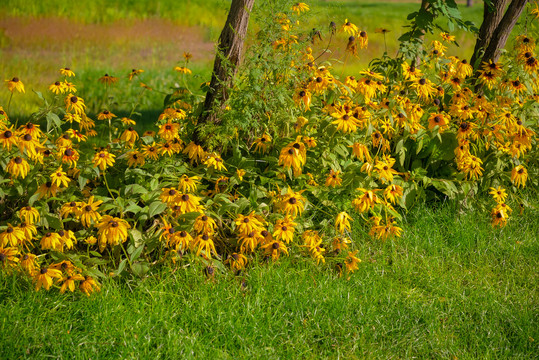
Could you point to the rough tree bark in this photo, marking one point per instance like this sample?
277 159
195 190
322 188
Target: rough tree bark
495 29
227 59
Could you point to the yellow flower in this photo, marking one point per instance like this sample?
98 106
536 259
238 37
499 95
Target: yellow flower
204 242
189 184
249 223
111 231
237 261
43 277
274 249
88 211
150 151
361 151
292 203
499 217
15 84
519 175
89 285
68 282
47 189
352 261
214 161
185 203
75 104
103 159
284 229
108 80
18 167
240 173
52 241
133 73
261 144
349 28
300 7
59 178
385 231
8 138
333 179
67 72
363 39
195 152
58 88
393 193
342 222
446 37
205 225
29 215
182 70
12 236
499 194
384 170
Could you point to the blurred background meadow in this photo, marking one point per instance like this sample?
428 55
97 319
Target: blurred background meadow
115 36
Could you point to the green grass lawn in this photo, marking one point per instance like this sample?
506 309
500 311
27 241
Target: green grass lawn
451 288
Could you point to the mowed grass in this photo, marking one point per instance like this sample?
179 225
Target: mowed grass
452 287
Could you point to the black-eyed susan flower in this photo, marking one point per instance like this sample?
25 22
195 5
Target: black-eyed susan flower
292 203
262 143
168 195
366 200
333 179
135 158
440 120
51 241
384 169
284 229
342 222
274 249
59 178
89 285
205 225
361 152
351 262
349 28
108 79
236 261
180 240
29 214
386 230
111 231
70 156
204 242
28 263
188 184
300 7
18 167
12 235
27 143
294 156
103 159
74 104
68 238
105 115
393 193
43 277
68 282
499 194
88 211
150 151
183 70
424 88
133 73
246 224
195 152
249 241
67 72
8 138
57 88
214 161
169 130
499 217
185 203
15 84
447 37
302 98
519 176
8 257
363 39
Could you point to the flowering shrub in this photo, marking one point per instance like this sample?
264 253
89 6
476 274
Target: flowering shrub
297 156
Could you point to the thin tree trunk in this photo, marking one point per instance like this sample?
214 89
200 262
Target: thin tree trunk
503 30
227 59
491 20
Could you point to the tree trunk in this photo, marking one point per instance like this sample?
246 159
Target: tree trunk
503 30
495 29
469 3
227 59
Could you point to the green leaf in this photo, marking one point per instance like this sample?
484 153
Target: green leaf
53 120
121 267
156 208
136 254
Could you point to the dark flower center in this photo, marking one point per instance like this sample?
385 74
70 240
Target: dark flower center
275 245
185 197
8 134
18 160
61 233
319 79
43 271
204 218
264 233
284 228
88 208
521 171
345 117
464 125
172 192
246 220
74 99
363 34
15 79
48 234
29 126
171 231
205 237
437 119
302 93
114 223
422 81
68 152
183 234
9 230
27 137
102 155
292 200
